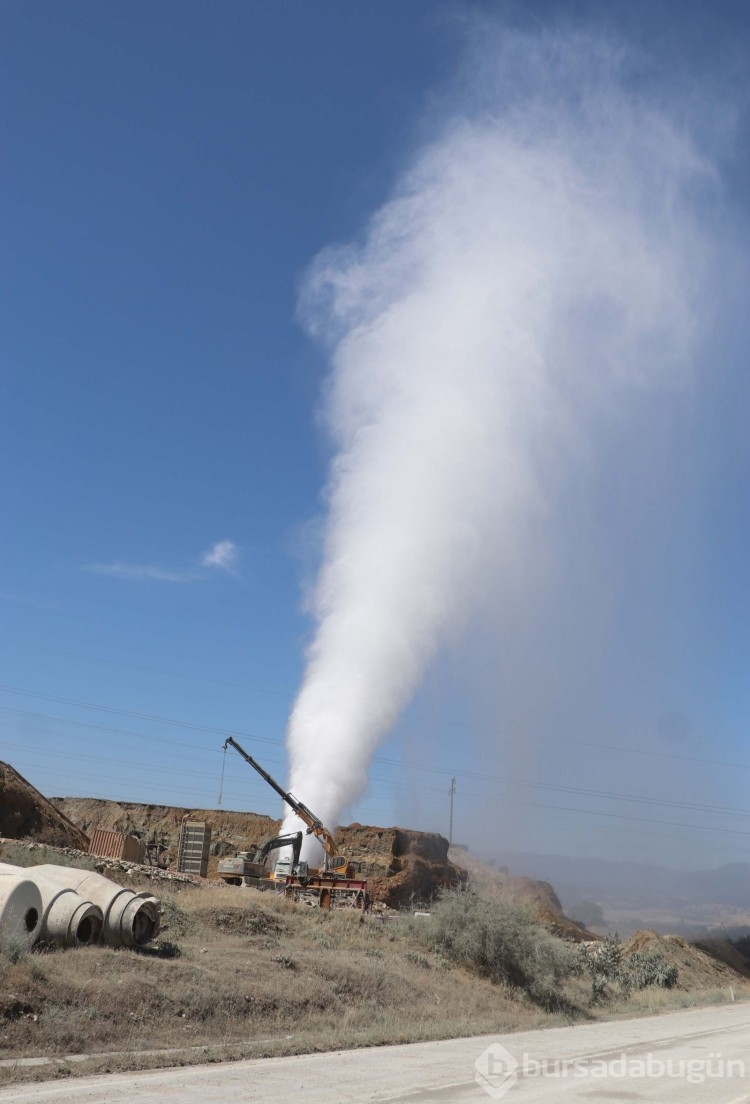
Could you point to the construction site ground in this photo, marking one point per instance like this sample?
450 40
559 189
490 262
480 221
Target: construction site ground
237 973
400 864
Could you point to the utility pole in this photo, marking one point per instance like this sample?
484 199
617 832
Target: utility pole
451 793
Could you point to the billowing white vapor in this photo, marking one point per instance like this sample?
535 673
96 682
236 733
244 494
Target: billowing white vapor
540 259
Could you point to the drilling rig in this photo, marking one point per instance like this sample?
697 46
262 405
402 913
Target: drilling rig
337 884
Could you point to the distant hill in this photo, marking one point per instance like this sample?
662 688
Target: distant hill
729 884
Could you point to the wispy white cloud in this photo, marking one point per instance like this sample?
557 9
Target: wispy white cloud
141 572
223 555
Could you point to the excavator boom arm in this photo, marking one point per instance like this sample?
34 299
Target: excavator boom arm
294 841
314 825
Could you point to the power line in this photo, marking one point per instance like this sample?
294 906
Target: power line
525 804
523 783
104 728
624 816
573 790
145 669
580 791
650 752
154 718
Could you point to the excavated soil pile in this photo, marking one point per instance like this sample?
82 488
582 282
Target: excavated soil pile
25 812
731 954
541 898
699 967
401 866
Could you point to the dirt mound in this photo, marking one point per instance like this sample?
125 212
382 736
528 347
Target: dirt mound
401 865
488 881
699 967
24 812
725 951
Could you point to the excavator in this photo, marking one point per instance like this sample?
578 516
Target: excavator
250 869
337 883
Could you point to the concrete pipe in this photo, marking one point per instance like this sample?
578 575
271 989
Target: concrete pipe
20 909
130 919
66 919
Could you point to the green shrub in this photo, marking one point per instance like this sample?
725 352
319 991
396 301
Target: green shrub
604 964
607 966
417 959
174 918
651 968
501 941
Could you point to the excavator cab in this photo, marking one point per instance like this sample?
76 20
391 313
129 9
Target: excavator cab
286 867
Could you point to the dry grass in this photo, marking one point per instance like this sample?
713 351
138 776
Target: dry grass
235 966
238 973
36 854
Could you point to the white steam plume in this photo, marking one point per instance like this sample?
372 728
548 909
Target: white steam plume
539 260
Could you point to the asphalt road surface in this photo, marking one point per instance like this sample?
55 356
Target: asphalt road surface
700 1056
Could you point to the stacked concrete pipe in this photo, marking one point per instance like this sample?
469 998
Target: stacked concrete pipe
66 919
80 907
20 908
130 919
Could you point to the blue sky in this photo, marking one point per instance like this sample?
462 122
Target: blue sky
170 172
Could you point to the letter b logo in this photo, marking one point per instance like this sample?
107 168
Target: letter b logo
496 1071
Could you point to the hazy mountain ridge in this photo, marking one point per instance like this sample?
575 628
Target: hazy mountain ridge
642 883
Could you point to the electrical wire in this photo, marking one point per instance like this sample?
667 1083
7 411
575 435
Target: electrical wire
580 791
489 779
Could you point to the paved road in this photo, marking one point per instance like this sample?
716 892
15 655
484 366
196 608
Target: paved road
444 1072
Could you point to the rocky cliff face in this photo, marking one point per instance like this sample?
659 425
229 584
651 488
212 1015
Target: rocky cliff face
401 865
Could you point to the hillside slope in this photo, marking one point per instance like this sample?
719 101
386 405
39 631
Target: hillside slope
24 811
541 898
